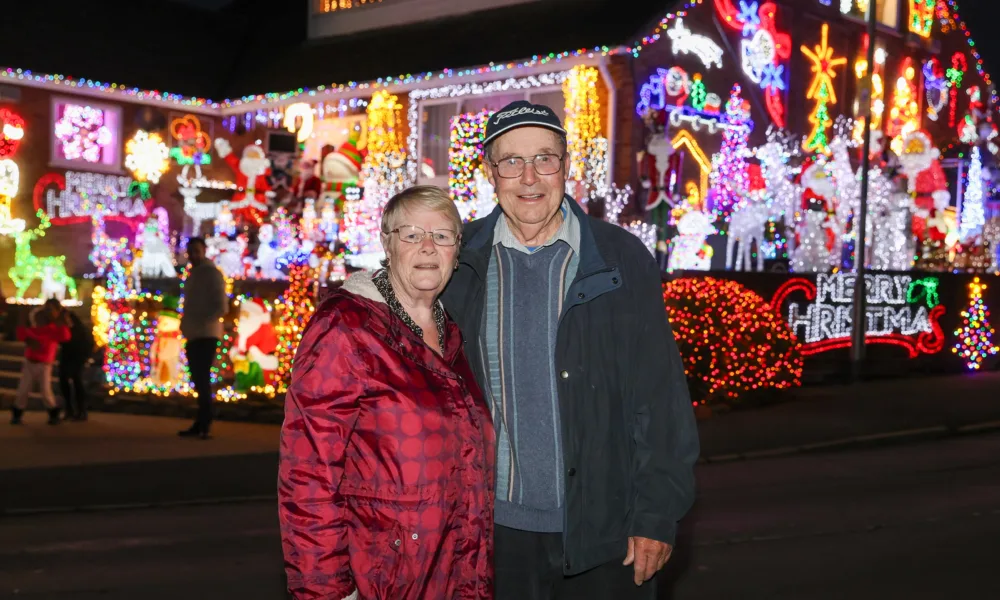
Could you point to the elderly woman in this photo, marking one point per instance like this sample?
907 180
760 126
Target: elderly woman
385 483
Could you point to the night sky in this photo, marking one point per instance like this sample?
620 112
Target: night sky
982 17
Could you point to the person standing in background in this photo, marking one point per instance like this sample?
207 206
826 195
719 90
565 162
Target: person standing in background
205 304
73 357
42 336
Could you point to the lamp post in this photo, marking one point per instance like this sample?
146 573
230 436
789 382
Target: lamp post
859 319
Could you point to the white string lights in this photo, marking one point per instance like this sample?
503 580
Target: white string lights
468 89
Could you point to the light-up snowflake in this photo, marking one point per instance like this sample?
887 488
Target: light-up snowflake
82 133
146 156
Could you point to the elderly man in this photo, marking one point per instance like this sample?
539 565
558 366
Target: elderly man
565 327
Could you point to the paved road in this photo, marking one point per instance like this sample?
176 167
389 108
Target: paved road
914 522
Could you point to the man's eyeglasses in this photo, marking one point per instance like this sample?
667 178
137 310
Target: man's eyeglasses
513 166
411 234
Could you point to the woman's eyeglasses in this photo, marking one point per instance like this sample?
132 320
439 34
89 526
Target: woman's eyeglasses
411 234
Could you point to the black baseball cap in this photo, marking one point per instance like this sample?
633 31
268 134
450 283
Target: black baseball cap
522 113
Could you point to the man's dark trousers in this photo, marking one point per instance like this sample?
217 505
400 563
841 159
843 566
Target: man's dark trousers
529 566
201 357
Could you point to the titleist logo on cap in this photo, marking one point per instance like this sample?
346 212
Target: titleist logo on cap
525 110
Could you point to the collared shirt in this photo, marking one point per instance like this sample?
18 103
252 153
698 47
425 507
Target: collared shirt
569 232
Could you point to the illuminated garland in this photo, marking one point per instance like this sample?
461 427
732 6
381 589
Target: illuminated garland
949 19
955 74
821 90
384 136
100 316
295 307
583 118
904 116
465 155
878 93
468 89
975 335
730 339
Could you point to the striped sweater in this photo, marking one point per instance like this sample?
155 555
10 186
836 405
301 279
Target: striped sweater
525 294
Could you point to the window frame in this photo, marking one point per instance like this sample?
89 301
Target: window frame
57 160
441 180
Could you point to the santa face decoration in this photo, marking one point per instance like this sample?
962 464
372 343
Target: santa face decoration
816 178
254 163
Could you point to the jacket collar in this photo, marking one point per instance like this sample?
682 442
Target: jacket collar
475 252
395 331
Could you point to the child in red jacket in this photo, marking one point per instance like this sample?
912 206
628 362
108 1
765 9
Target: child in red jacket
42 337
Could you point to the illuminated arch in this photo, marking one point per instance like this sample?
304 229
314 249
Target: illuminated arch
684 138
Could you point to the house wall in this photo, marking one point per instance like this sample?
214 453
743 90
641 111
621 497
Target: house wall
33 158
803 21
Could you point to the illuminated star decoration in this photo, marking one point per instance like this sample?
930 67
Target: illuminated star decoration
821 90
764 49
823 65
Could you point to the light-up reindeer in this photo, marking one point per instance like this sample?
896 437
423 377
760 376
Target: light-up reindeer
746 226
785 194
28 267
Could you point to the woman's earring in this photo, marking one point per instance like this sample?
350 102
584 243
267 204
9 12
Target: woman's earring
456 266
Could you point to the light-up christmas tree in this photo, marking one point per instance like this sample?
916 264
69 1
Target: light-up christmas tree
729 165
817 140
975 335
973 216
821 90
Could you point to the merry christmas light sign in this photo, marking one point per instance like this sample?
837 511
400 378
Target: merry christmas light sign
73 198
899 310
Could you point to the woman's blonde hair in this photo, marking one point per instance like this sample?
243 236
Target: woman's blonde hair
426 197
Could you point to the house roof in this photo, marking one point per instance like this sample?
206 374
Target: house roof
495 36
214 50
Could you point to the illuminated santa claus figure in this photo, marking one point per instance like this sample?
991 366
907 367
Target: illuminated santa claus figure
252 170
817 232
307 184
920 162
254 359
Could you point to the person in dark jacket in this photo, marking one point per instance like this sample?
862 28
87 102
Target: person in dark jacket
567 333
73 358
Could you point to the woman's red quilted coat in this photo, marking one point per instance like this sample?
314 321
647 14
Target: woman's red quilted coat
385 482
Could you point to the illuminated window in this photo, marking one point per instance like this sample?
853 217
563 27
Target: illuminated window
887 11
435 125
328 6
86 135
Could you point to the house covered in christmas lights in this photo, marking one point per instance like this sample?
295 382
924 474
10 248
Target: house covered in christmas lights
724 133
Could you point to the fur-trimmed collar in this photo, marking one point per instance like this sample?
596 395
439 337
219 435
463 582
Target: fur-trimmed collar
361 284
